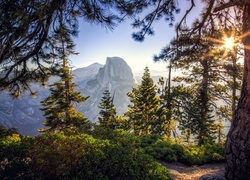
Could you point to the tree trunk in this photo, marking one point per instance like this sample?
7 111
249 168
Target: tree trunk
238 139
234 56
203 130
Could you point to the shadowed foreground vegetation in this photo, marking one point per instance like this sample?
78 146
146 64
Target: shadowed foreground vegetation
100 153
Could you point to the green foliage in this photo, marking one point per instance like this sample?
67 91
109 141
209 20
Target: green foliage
162 149
123 123
6 132
14 158
166 150
102 154
81 156
144 106
59 108
207 153
108 111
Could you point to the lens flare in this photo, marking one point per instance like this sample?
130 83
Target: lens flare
229 42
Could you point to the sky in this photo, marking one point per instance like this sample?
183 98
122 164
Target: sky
95 43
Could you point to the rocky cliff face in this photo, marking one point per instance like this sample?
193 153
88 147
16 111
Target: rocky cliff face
25 113
115 75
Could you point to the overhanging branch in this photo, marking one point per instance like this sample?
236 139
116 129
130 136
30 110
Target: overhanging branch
231 4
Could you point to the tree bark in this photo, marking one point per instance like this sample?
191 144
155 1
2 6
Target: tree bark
238 139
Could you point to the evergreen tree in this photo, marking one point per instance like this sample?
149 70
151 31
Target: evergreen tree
142 113
207 70
59 109
108 111
201 72
26 38
223 14
167 106
123 123
231 75
27 28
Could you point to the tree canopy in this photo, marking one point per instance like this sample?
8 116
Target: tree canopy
217 14
27 50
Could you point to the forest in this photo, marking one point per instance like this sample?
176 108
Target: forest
177 120
118 147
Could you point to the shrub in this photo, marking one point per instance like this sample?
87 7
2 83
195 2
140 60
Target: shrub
164 149
14 160
207 153
81 156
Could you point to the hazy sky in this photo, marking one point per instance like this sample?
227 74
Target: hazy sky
95 43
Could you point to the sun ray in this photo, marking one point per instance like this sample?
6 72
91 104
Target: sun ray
247 47
229 43
244 35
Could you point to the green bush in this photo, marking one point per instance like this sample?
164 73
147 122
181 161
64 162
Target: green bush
60 156
164 149
207 153
14 160
149 140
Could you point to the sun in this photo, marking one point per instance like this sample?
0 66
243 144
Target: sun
229 42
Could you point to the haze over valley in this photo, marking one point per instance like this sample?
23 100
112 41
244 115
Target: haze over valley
115 75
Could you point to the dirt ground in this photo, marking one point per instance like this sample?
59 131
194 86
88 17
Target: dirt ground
180 171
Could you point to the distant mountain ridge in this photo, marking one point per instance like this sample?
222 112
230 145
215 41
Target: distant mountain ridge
116 75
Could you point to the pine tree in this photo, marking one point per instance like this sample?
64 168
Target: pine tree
211 76
223 14
59 109
142 113
201 73
231 75
167 106
108 111
27 28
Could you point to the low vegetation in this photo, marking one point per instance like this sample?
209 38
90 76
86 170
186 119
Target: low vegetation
101 153
71 154
170 151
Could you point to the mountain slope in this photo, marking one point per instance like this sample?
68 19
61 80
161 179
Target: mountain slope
117 76
25 113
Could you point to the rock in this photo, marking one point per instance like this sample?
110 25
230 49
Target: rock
115 75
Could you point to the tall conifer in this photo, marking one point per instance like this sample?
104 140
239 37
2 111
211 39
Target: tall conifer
59 109
142 112
108 111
